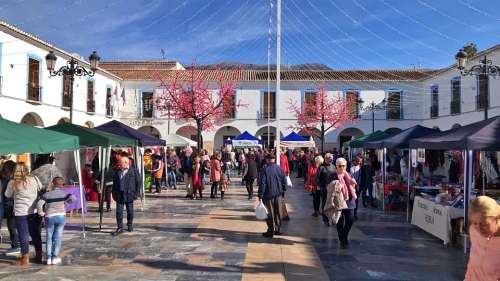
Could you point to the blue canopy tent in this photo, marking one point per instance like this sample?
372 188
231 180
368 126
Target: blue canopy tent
245 140
295 140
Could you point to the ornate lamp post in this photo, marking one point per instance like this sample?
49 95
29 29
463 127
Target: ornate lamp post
485 68
72 68
373 107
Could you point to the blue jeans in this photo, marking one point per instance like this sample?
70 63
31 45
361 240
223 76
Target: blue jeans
119 213
28 226
172 176
54 227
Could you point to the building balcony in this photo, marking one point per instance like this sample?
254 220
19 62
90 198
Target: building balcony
434 110
266 115
90 106
34 94
482 102
455 107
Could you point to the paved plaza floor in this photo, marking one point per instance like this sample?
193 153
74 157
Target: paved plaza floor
180 239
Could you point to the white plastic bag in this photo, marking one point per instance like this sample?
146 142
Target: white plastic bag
288 181
261 211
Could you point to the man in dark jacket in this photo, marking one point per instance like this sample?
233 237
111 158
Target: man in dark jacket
187 170
272 184
323 179
127 184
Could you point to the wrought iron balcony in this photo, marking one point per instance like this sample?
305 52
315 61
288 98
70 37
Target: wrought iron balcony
91 106
66 101
109 111
455 107
482 102
34 93
266 115
434 110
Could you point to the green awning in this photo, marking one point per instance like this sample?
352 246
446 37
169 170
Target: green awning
357 143
18 138
90 137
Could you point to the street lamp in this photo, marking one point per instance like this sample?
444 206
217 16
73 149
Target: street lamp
484 67
373 107
72 68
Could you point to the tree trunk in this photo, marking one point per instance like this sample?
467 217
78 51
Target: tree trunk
198 136
322 137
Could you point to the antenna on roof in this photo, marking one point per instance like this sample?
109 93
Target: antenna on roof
163 54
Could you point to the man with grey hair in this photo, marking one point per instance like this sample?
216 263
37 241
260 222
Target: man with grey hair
322 180
127 184
187 169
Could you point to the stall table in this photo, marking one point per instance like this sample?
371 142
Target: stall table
75 190
434 218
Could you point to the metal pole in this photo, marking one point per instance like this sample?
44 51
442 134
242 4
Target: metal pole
485 73
71 82
278 81
373 118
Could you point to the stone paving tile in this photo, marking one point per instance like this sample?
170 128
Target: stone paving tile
180 239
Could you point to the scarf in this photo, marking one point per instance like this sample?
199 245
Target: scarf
347 191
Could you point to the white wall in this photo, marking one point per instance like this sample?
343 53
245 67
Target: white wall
14 72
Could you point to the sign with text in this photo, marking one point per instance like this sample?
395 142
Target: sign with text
432 218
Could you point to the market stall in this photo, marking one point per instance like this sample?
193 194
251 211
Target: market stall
144 140
293 140
479 136
399 141
93 138
20 139
245 140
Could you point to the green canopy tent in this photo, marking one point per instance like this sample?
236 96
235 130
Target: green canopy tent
18 138
358 143
94 138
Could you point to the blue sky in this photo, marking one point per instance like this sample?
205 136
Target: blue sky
347 34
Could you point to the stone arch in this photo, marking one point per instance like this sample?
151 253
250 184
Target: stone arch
32 119
89 124
150 130
63 120
268 136
393 130
346 135
222 134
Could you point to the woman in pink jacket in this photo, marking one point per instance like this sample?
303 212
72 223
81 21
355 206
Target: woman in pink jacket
484 259
215 171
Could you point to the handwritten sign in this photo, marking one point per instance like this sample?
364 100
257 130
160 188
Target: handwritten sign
432 217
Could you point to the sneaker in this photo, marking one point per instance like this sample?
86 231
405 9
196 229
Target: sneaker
13 252
49 261
155 193
56 261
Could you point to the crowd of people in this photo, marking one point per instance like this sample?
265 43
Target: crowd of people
334 183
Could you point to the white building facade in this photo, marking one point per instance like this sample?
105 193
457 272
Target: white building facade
30 95
126 91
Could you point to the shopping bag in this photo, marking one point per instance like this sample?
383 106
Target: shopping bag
284 212
261 211
288 181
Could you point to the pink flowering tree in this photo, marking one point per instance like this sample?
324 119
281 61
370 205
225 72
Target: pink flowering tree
319 113
203 98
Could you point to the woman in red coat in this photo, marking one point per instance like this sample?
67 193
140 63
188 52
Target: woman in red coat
88 181
311 180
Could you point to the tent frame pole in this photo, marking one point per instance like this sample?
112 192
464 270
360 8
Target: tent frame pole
79 171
